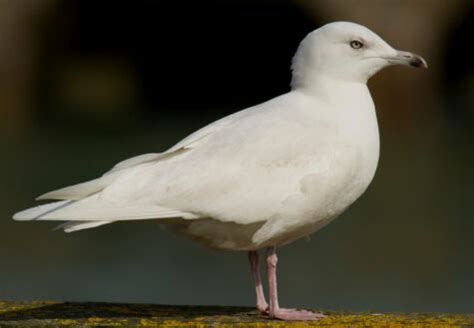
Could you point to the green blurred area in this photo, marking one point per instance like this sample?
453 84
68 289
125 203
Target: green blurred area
406 245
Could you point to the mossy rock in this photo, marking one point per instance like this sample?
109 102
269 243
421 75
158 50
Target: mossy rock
76 314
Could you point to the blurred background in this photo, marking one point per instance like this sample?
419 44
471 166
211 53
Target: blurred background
85 84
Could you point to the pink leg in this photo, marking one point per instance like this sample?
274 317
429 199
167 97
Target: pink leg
274 309
262 304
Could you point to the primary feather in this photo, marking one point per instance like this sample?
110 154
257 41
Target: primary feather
94 208
37 212
72 226
80 190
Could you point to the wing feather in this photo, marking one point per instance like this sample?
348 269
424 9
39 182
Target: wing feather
96 209
72 226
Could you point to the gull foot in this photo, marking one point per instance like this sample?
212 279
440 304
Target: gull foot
263 309
296 315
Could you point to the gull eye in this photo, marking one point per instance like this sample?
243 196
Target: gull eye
355 44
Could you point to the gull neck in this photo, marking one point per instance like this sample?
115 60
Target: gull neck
332 90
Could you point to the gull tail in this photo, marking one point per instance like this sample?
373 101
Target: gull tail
93 211
39 212
35 213
83 207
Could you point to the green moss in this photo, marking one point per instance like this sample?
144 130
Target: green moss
51 314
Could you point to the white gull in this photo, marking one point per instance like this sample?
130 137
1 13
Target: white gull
262 177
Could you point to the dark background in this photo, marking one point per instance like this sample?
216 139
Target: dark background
85 84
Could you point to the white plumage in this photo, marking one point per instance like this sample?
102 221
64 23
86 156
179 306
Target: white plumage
263 176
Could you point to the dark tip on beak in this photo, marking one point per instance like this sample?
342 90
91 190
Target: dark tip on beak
408 58
418 61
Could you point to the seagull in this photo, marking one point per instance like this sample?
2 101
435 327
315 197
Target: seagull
262 177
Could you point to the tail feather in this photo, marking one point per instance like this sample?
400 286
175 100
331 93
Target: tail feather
83 207
72 226
36 213
95 209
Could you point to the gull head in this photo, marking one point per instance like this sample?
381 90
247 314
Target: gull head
348 52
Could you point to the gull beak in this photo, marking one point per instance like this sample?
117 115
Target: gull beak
407 58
